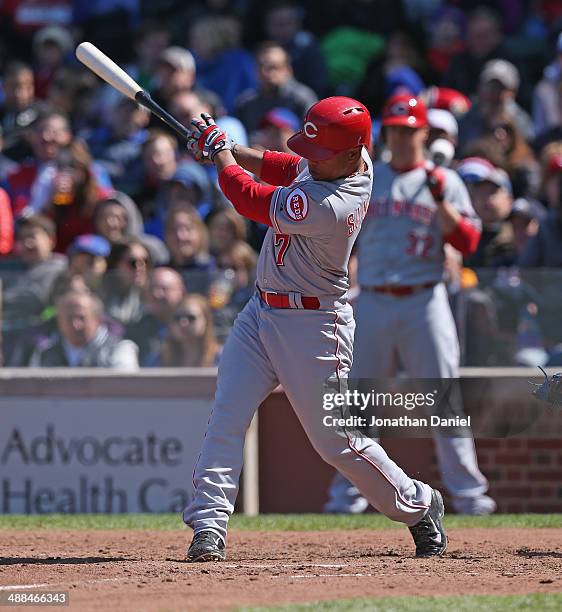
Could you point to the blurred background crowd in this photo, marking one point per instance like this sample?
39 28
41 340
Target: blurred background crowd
118 250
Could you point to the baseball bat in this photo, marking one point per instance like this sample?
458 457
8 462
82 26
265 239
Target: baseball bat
111 73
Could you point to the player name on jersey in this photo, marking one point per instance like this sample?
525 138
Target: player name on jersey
396 208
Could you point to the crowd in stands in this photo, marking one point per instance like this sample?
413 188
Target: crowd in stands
117 249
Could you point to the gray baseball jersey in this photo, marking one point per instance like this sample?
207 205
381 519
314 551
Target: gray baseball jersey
315 224
401 242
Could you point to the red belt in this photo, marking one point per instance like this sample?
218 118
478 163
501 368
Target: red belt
283 300
399 290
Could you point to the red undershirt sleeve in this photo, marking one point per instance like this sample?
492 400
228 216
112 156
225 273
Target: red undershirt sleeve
279 169
6 224
249 198
464 237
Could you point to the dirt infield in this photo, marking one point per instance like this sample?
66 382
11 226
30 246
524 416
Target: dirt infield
144 570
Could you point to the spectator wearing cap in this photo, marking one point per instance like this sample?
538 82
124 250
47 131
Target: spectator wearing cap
276 126
525 216
547 95
490 192
51 45
284 25
222 66
497 88
19 110
26 294
87 257
190 183
82 339
276 87
402 79
175 72
443 135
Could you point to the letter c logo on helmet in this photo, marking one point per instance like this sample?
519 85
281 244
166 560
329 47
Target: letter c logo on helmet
331 126
310 129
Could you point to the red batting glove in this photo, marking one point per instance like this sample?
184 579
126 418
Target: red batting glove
436 183
206 139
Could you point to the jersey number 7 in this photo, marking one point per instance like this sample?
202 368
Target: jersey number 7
281 243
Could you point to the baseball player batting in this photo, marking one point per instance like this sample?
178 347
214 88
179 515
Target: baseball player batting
298 328
403 313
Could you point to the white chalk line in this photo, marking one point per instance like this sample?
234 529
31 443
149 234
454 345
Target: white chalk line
78 583
324 576
283 565
49 585
15 587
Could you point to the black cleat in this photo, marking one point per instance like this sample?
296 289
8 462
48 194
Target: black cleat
429 534
206 546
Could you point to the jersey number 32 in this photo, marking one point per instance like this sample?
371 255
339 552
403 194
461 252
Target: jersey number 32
419 244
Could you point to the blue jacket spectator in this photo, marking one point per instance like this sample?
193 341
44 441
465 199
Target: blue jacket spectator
222 66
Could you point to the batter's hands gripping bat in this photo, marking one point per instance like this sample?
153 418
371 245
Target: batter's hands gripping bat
110 72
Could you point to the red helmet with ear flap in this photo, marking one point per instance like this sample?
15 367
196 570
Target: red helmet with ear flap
404 109
331 126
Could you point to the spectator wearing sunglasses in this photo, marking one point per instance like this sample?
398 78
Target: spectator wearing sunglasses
125 281
191 339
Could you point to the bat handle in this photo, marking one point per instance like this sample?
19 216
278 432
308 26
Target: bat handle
144 99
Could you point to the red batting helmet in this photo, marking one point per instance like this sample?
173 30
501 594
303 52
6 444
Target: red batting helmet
404 109
331 126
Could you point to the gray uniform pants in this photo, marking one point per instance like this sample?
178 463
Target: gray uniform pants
300 349
418 332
